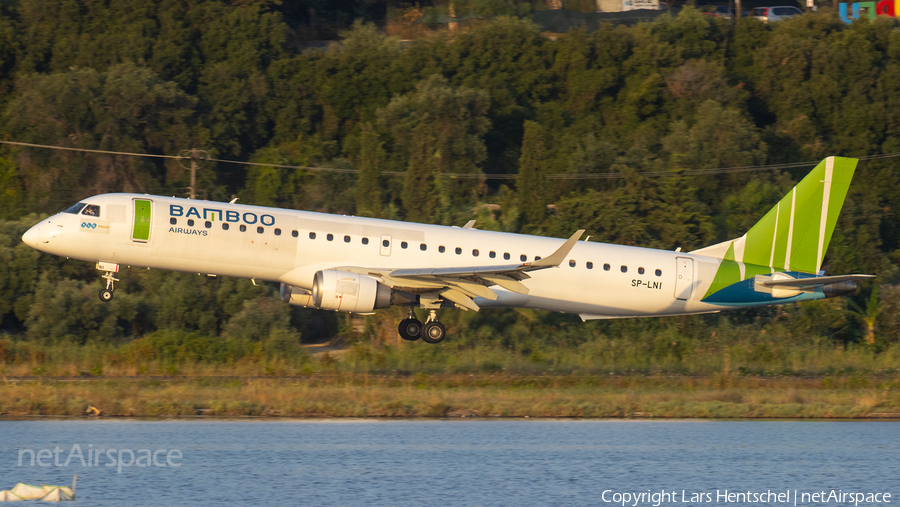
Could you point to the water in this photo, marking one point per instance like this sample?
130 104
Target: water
460 463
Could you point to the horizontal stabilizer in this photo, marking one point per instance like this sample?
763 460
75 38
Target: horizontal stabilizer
798 283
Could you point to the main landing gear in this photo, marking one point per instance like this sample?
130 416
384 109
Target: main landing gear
412 329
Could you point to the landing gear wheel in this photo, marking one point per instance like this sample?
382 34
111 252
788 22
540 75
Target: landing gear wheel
106 295
410 329
433 332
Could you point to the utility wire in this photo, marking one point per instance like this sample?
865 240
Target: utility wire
557 176
30 145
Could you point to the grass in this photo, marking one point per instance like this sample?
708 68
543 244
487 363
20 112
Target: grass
746 374
421 395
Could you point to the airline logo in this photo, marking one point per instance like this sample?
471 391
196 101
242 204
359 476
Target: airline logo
213 214
95 227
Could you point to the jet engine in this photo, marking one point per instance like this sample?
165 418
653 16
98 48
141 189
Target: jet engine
349 292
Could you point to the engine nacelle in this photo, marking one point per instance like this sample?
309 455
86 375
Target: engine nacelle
349 292
296 296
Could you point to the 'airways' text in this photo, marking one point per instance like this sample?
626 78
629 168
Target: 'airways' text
189 232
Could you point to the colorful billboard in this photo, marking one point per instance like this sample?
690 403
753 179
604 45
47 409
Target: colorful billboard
880 8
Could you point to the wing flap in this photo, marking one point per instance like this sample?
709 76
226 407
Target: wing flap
460 299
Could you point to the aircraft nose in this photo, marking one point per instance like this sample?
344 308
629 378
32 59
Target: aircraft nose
31 235
35 236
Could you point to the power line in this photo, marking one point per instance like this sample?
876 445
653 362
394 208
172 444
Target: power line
496 176
105 152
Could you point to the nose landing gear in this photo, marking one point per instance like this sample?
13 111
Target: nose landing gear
106 294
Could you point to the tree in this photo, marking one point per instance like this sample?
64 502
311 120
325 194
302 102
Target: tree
532 185
368 188
441 128
868 315
126 108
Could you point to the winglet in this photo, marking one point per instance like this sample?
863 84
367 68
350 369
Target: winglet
556 258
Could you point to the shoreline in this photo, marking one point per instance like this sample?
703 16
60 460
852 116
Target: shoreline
420 396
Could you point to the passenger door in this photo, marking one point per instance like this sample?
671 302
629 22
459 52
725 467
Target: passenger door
684 278
140 230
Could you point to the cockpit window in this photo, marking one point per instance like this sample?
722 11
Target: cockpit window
91 210
75 209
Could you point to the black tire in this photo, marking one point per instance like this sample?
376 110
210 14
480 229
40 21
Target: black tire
106 295
410 329
433 332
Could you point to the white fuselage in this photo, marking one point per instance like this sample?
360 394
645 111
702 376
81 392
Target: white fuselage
596 280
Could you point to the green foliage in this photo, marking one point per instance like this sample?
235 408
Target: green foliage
368 188
681 93
531 184
436 129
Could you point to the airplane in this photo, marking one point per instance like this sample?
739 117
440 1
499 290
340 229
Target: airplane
355 264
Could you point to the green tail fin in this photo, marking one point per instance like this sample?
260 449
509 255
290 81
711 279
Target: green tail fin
794 235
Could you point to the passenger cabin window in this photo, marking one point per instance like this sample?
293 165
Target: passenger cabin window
243 228
330 237
76 208
624 269
173 220
589 265
606 267
506 255
91 210
442 249
346 239
658 272
492 254
225 226
312 235
260 230
365 241
423 247
385 243
640 271
296 234
458 250
191 222
475 253
278 232
207 224
523 257
571 263
403 244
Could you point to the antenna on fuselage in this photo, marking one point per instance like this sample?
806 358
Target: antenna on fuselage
233 200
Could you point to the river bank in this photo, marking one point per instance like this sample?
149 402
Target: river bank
423 395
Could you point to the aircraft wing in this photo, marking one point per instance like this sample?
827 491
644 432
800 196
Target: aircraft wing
462 284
